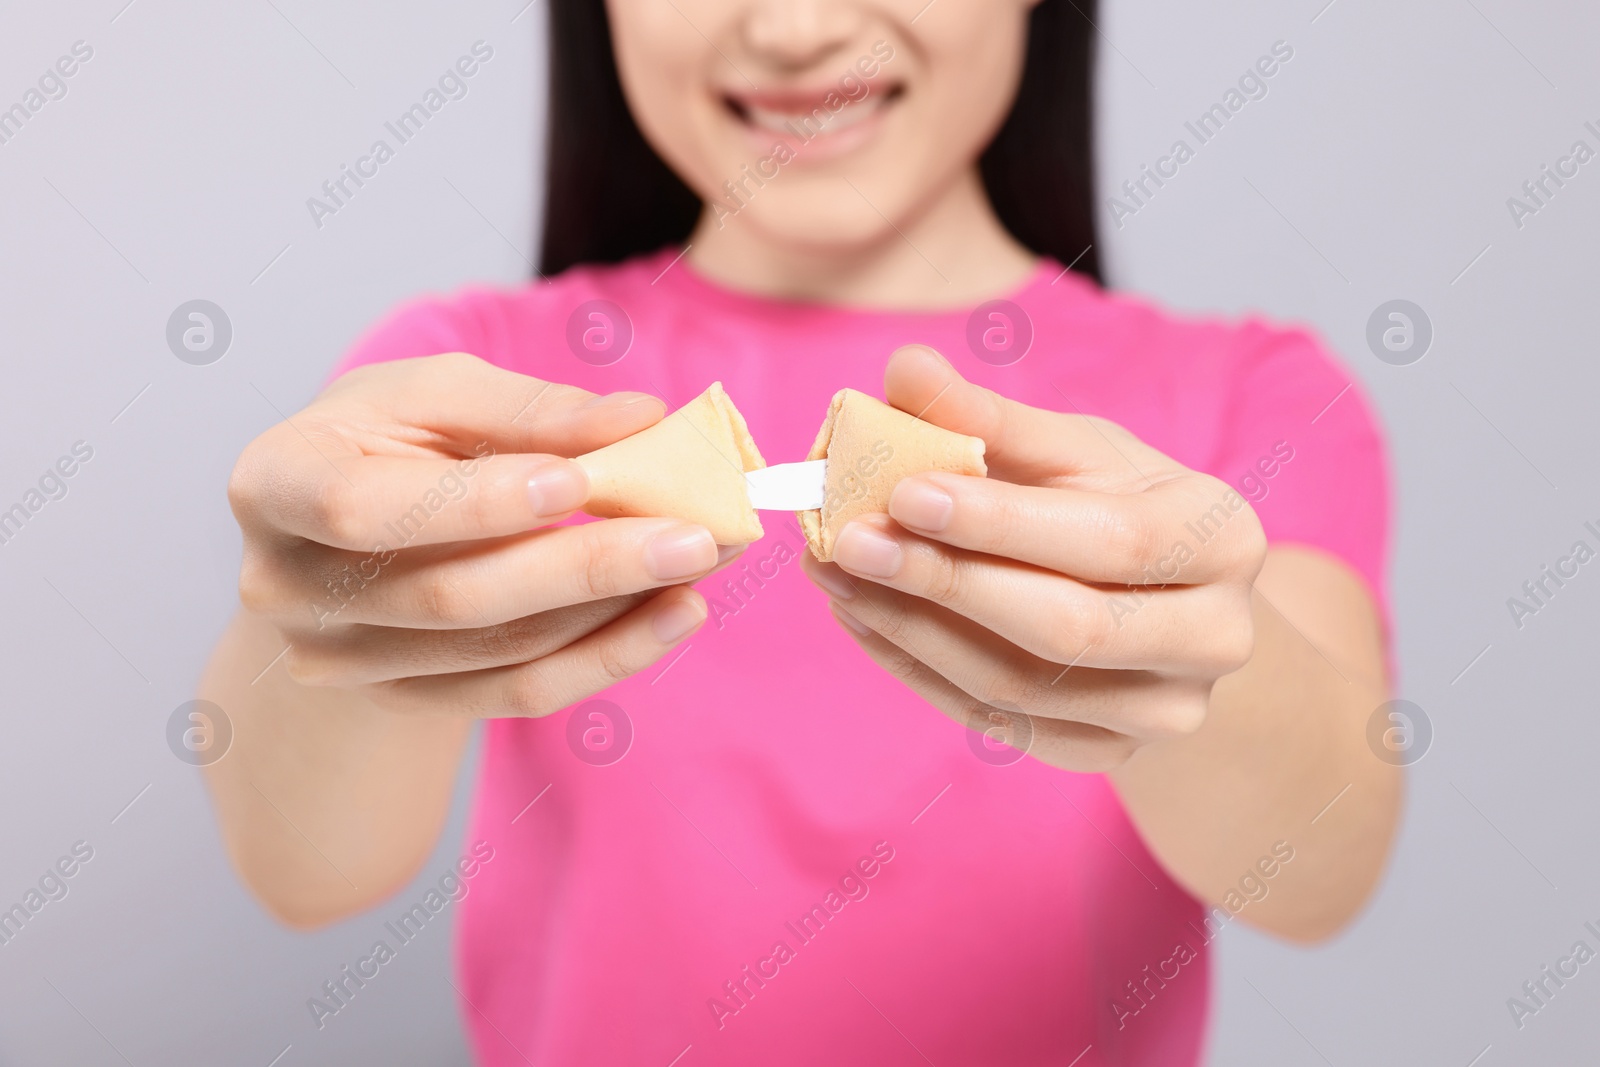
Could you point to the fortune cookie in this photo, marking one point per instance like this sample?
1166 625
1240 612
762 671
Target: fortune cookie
869 447
688 466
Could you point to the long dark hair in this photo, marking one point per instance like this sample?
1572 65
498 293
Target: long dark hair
608 196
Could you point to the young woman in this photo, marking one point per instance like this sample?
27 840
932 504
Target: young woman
767 845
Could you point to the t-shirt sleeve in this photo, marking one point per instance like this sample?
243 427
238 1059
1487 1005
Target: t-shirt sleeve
1302 443
426 327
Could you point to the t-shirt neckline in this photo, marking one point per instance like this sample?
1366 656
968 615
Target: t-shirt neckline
672 268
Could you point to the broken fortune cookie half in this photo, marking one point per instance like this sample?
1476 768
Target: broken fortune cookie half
688 466
869 447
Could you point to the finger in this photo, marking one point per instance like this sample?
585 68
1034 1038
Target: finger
380 503
463 402
1073 746
363 655
995 672
1023 444
350 656
580 670
487 583
1186 530
1178 629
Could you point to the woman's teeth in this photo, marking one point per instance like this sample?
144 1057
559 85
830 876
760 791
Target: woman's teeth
829 121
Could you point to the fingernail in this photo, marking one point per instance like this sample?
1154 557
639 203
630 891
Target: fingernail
921 505
833 583
864 550
849 620
727 552
557 487
617 400
680 552
675 621
935 353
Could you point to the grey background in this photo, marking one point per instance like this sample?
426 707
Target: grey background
177 167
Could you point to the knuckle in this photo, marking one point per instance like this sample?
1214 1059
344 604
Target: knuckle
481 503
889 619
259 486
943 582
311 663
1078 623
243 484
259 590
598 575
1184 715
333 511
1240 543
1113 430
453 361
1252 546
1133 537
999 524
1067 635
1007 693
901 665
440 365
438 600
508 643
531 692
612 660
1236 643
364 373
974 714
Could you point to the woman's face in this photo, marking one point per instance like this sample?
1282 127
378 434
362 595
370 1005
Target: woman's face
819 123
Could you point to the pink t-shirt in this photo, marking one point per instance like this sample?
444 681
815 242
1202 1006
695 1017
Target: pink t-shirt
767 850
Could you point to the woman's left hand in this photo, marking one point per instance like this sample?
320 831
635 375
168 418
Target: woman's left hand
1090 583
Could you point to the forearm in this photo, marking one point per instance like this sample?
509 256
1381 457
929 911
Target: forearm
1282 757
326 802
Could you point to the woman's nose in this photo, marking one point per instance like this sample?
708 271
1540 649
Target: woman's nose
798 33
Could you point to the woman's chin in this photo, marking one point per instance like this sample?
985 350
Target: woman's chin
819 221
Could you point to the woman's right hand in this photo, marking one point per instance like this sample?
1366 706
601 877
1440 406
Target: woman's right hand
396 534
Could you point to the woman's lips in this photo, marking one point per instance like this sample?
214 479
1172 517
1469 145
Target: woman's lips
805 124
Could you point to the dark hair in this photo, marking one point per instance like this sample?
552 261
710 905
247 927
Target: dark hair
609 196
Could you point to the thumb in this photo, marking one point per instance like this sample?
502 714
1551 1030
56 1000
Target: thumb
1023 444
921 382
462 402
601 420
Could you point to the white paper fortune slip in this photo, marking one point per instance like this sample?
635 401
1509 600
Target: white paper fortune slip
787 486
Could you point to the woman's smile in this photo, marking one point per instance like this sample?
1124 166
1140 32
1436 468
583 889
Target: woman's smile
812 125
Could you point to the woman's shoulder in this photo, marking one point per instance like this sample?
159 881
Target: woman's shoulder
1202 343
1213 390
1221 368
